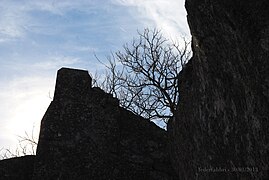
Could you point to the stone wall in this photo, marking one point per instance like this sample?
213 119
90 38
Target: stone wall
19 168
86 135
221 127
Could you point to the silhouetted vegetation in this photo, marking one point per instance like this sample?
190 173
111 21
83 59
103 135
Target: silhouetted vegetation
27 144
144 76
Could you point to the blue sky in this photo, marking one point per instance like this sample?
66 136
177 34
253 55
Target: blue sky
37 37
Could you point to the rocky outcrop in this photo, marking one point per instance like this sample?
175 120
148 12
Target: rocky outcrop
221 127
86 135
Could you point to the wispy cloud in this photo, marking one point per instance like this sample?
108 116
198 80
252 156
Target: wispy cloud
169 16
12 23
23 103
56 62
16 16
25 98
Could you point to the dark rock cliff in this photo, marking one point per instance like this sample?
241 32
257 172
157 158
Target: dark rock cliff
86 135
221 129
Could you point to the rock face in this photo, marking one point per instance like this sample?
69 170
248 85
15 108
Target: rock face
86 135
221 127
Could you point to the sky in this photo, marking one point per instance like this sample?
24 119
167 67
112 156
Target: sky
38 37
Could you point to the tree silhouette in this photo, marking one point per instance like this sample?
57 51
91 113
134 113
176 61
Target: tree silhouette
144 76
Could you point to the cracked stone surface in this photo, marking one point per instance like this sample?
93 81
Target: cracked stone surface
222 119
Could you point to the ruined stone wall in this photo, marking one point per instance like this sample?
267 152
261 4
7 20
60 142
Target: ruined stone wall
18 168
86 135
222 120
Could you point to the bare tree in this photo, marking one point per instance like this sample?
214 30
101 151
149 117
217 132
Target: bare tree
144 77
27 144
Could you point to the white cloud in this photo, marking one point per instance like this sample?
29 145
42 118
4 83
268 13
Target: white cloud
24 101
167 15
55 62
61 7
16 20
85 49
11 23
